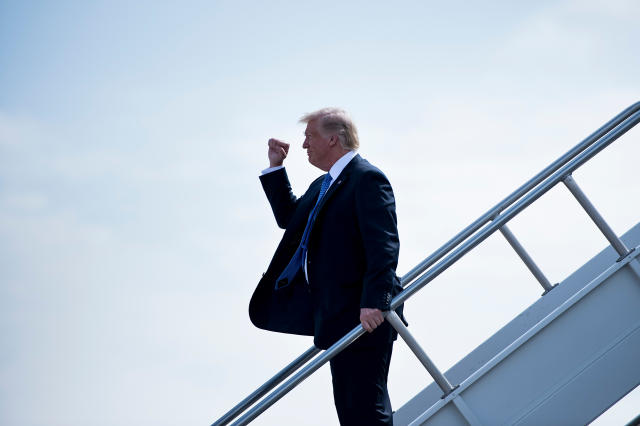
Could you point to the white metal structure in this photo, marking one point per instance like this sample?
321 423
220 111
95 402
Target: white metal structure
563 361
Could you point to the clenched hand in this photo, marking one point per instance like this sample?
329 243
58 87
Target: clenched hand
278 151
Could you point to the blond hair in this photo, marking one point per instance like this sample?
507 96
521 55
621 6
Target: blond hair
336 121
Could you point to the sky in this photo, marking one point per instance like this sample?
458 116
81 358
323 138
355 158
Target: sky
133 228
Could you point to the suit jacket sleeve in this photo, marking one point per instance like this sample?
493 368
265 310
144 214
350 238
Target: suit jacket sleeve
377 221
278 190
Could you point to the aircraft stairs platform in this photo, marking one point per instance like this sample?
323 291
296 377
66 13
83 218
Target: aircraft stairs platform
564 360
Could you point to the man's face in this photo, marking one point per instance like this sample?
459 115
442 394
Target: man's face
317 146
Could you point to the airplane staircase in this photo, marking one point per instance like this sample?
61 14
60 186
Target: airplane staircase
563 361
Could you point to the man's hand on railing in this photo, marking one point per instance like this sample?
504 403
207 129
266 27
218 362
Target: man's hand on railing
370 318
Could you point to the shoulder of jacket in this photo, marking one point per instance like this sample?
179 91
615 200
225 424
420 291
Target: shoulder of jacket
365 169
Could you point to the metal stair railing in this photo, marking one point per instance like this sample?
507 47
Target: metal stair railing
497 217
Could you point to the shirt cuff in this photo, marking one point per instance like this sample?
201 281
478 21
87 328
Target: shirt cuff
272 169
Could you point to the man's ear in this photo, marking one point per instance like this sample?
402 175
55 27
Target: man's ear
333 140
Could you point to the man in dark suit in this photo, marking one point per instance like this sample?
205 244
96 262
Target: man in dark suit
335 265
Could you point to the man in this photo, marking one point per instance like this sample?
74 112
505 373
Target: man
335 265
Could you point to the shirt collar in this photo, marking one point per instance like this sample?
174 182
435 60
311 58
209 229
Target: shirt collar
339 165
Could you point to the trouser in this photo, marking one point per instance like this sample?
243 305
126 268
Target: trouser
359 376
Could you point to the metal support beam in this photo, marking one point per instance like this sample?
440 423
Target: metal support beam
513 241
466 412
402 330
634 265
604 227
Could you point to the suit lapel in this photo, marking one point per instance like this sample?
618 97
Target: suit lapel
339 183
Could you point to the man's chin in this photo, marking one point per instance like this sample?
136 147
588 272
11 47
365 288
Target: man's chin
314 164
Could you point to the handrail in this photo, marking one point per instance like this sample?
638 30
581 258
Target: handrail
559 169
515 195
267 386
503 218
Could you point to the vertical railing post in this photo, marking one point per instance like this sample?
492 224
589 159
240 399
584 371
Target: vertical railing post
402 330
535 270
604 227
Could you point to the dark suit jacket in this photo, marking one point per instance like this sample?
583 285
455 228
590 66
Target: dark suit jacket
351 261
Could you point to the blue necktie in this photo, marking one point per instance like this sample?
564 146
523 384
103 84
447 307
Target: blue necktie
297 261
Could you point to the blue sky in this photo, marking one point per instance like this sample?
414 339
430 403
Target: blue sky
132 224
